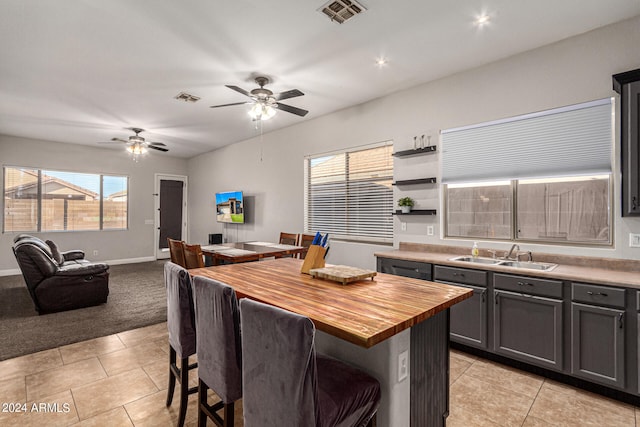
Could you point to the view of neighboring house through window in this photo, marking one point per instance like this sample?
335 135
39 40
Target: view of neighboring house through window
47 200
349 195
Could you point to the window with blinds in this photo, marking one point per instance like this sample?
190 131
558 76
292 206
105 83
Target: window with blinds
542 177
47 200
349 194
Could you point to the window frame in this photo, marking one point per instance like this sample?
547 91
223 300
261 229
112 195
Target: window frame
351 237
514 220
39 222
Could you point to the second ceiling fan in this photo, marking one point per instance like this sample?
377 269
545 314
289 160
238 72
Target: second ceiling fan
265 102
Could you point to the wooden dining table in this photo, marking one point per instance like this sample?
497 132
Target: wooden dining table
249 251
368 323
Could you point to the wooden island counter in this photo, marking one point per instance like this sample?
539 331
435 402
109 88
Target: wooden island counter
370 324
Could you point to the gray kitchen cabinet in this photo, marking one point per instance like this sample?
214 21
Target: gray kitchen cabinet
468 319
405 268
628 86
598 333
527 324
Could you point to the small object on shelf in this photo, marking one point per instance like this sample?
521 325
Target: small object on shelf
342 274
405 203
415 142
413 152
474 250
422 141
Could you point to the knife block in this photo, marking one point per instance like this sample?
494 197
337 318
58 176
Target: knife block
313 259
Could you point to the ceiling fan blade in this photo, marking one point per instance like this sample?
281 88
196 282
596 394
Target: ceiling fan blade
119 140
161 144
287 94
289 109
239 89
228 105
109 142
153 147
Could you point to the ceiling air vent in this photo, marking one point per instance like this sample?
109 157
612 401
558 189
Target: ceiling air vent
183 96
342 10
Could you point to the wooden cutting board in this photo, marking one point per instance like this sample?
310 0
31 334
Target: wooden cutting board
342 274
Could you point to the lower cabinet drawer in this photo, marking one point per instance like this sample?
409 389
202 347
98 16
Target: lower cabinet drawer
405 268
460 275
597 295
528 285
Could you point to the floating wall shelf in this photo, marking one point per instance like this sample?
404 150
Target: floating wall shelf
417 212
415 181
416 151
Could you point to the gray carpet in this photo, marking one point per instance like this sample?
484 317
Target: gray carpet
136 298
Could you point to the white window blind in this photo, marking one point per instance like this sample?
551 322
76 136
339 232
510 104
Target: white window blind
349 194
573 140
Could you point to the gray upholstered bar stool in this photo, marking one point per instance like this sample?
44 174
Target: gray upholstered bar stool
182 333
286 384
219 349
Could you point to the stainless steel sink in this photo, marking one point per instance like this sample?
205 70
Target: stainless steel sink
529 265
477 260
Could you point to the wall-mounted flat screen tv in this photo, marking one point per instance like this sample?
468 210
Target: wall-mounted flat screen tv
230 207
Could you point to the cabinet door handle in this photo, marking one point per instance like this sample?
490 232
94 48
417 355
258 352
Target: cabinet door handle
597 293
634 203
458 274
524 284
400 267
482 294
495 297
620 320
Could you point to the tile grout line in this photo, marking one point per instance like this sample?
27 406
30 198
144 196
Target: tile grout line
533 402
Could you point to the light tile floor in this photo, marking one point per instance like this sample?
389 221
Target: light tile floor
121 380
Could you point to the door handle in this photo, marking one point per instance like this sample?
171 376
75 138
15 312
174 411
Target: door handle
620 320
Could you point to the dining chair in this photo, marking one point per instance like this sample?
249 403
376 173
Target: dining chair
176 250
193 256
218 348
182 333
305 240
288 239
285 383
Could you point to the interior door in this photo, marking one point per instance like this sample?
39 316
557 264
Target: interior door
171 213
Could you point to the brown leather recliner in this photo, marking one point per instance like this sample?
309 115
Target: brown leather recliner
59 281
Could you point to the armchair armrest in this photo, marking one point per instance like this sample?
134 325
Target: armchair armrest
72 255
82 269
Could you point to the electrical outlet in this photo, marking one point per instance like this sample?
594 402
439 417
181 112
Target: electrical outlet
95 253
403 365
634 240
430 230
403 226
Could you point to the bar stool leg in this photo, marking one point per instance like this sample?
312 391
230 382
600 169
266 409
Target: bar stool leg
184 389
172 377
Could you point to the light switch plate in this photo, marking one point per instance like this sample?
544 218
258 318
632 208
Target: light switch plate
403 226
634 240
430 230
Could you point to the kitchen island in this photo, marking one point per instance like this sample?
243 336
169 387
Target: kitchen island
394 328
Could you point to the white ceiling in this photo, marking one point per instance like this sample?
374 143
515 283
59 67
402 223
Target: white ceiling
83 71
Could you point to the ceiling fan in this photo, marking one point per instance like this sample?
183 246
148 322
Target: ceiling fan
265 102
137 144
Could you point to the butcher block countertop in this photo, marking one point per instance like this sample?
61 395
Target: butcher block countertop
364 312
603 271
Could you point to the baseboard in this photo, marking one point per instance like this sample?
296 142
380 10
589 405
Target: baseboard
16 271
10 272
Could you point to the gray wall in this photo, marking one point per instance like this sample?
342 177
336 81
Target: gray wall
575 70
136 243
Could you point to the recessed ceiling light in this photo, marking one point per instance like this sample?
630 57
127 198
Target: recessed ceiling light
482 20
381 61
